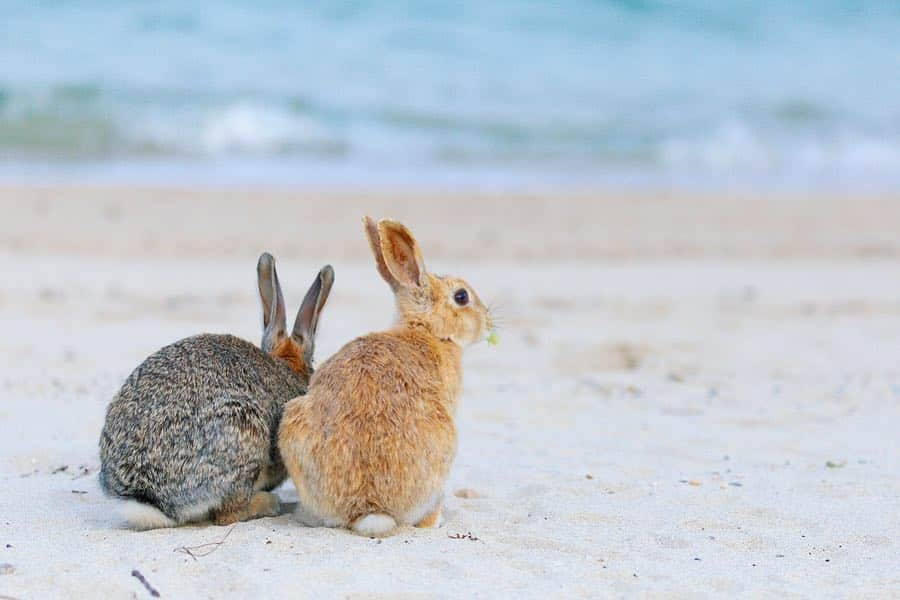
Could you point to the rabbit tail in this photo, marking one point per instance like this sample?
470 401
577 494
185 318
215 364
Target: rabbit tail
374 525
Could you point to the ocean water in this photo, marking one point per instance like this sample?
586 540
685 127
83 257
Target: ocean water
505 90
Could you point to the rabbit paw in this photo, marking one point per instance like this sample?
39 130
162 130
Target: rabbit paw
432 519
261 504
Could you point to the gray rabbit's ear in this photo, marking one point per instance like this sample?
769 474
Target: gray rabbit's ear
308 316
274 324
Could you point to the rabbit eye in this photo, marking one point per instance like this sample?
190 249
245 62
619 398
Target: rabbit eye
461 297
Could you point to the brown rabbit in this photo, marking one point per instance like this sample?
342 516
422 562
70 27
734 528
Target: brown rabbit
371 443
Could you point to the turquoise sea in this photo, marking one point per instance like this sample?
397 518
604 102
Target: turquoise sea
376 91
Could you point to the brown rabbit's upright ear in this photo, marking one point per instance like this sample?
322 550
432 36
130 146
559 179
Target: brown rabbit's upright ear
375 245
400 253
308 316
274 324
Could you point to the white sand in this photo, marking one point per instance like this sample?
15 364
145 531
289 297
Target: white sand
648 425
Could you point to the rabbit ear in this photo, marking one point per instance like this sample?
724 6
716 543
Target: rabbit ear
400 254
375 245
308 316
274 324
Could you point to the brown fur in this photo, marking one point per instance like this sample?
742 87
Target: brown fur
260 504
291 353
432 519
375 432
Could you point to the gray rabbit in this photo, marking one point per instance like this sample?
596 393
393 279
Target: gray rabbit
193 432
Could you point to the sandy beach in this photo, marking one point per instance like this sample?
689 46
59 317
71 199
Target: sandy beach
693 395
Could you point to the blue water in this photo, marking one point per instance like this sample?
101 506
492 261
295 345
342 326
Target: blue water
572 91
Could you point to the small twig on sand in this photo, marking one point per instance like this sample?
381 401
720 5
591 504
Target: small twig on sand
83 471
463 536
196 552
137 575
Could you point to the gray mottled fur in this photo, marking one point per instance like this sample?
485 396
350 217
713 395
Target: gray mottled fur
196 424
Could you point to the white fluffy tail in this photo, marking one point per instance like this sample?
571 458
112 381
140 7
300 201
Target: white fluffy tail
374 525
144 516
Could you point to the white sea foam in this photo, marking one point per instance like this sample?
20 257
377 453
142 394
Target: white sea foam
256 129
735 147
